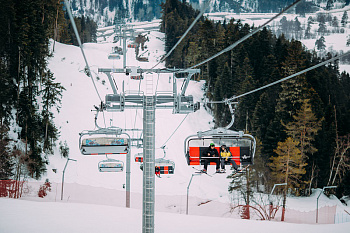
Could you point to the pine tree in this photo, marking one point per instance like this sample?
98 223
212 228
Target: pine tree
344 19
51 97
6 160
288 166
297 28
193 54
304 129
243 184
246 80
320 43
293 90
222 90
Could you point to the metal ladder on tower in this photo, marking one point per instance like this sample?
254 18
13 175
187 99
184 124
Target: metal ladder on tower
148 157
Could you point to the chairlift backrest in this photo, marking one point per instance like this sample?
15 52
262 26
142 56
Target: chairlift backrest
104 145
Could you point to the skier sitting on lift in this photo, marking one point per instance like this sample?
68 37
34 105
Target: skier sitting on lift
211 152
226 156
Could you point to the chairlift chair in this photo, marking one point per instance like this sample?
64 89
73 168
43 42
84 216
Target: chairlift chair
134 74
165 166
132 45
110 165
103 141
139 158
242 146
162 165
113 56
136 77
142 59
118 50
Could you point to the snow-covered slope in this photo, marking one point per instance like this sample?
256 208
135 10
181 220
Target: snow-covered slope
37 217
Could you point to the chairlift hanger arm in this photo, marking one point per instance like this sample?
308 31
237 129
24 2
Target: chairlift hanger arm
186 81
111 82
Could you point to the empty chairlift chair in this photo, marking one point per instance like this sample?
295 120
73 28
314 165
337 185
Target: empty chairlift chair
110 165
103 141
113 56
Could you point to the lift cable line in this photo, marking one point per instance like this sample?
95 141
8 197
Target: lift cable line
205 6
163 146
281 80
80 45
246 36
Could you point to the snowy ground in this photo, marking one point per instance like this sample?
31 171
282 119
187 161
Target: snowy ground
94 202
41 217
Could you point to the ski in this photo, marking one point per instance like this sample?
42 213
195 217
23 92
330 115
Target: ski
201 172
219 172
241 171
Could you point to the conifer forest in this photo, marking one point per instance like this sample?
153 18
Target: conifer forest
28 91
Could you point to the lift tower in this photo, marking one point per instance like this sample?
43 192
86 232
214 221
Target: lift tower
149 102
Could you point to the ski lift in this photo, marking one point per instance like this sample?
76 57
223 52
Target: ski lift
242 146
110 140
139 157
103 141
162 165
142 59
110 165
113 56
134 73
136 77
132 45
118 50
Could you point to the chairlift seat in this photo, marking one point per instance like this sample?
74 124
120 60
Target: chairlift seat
104 145
241 155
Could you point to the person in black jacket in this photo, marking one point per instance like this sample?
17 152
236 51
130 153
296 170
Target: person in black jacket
211 155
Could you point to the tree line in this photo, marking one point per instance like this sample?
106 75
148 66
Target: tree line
301 125
29 92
